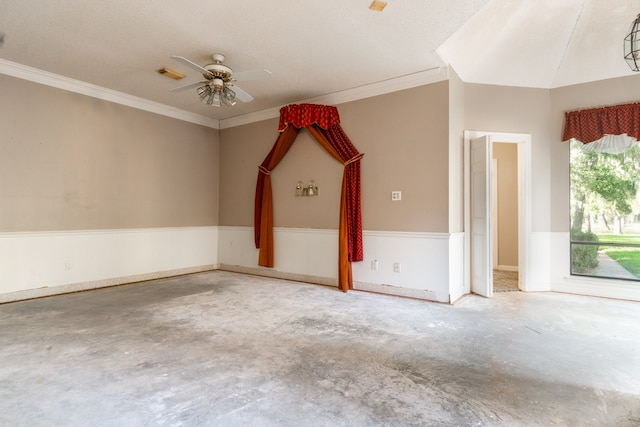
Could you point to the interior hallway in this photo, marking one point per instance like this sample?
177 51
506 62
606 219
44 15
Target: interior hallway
227 349
505 281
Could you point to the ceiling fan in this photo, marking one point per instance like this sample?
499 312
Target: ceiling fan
219 87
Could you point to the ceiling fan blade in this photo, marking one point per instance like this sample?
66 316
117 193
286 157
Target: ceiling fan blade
242 95
252 75
190 64
187 87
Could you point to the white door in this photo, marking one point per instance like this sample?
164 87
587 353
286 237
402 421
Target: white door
494 212
481 233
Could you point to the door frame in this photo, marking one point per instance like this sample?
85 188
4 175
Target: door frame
524 203
495 239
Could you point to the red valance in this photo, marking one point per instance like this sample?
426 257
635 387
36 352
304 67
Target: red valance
592 124
304 115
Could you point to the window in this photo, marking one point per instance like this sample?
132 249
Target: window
605 210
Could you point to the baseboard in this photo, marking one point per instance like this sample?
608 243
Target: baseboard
507 268
326 281
595 287
422 294
429 262
97 284
274 274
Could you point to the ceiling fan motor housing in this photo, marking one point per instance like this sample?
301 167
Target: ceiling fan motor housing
217 70
217 82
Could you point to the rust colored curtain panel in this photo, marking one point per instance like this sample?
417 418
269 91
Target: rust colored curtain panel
592 124
344 151
351 188
350 248
323 123
263 208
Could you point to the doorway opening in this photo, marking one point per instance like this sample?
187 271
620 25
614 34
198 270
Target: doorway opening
482 250
504 216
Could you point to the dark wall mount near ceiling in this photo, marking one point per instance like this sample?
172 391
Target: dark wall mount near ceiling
632 45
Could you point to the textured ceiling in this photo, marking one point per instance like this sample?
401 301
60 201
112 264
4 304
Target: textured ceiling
316 48
542 43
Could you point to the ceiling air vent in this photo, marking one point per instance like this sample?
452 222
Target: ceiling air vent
378 5
171 73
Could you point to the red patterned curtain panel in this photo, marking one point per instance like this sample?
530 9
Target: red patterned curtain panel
323 123
590 125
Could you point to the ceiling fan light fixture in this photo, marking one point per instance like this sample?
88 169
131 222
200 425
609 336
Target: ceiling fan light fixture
216 89
229 97
217 96
211 100
203 92
632 45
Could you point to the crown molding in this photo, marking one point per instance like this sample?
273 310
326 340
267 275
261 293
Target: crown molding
65 83
431 75
35 75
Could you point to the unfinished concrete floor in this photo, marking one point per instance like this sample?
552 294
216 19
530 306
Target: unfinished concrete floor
225 349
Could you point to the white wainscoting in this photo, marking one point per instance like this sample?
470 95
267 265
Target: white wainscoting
302 254
562 281
456 267
427 264
34 264
540 256
424 264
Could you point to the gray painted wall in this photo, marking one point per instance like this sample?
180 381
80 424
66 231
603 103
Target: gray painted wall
71 162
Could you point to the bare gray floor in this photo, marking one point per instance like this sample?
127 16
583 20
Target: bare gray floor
225 349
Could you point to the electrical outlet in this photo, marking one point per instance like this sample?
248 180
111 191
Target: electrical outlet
397 267
68 265
396 195
374 264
